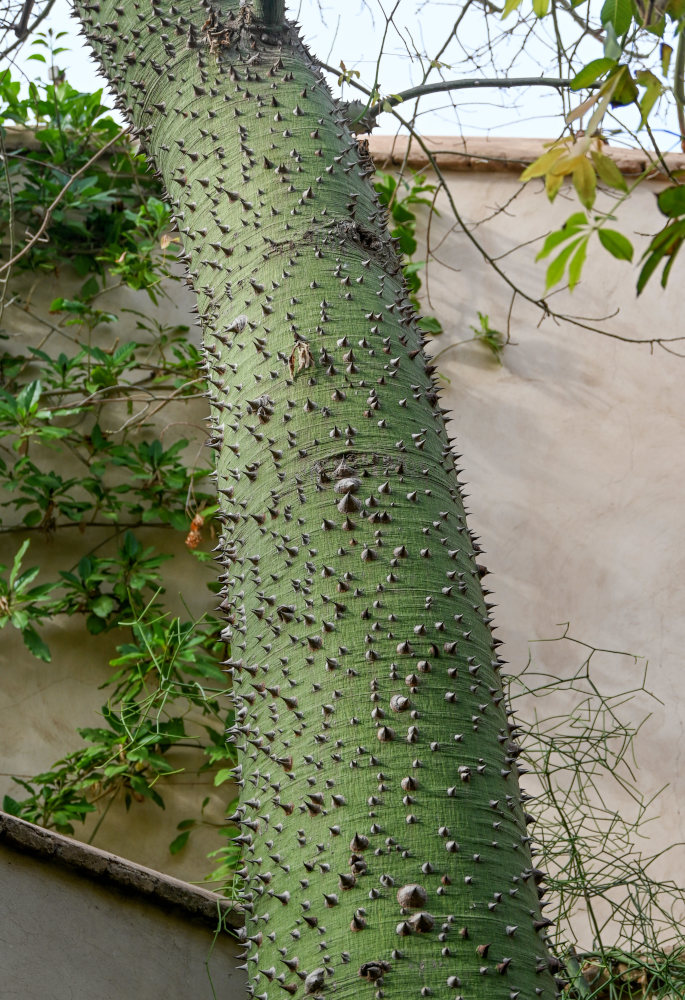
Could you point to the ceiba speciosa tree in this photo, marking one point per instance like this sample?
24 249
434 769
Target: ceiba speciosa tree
385 841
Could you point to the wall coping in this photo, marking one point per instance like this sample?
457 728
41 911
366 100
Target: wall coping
109 869
491 154
461 154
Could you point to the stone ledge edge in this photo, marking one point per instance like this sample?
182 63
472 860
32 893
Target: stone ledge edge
492 154
127 876
473 154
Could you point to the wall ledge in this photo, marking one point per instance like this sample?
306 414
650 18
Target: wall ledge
492 154
126 876
470 154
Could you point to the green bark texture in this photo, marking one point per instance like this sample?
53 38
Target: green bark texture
386 845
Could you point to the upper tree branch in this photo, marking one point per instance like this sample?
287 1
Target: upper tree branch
365 115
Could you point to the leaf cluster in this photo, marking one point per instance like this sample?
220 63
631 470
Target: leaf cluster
88 400
612 81
84 456
400 196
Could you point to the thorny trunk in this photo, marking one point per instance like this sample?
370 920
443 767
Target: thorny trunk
385 841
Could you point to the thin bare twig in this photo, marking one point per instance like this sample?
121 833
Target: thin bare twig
55 202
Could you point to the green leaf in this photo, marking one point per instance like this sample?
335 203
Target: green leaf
225 774
103 606
543 163
616 243
27 577
510 6
431 324
676 9
16 564
657 27
653 90
35 644
671 201
575 268
570 228
612 49
647 271
591 73
540 7
666 243
555 271
618 13
178 843
669 264
90 288
666 51
29 396
11 806
624 88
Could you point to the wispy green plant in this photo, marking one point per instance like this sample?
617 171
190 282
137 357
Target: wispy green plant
615 924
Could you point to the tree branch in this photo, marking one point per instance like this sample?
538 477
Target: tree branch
363 114
53 205
21 38
270 13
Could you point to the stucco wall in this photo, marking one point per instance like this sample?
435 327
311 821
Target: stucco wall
573 451
113 945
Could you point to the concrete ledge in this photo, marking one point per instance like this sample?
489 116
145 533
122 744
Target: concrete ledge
126 876
475 154
454 153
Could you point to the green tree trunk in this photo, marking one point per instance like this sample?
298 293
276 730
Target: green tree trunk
386 846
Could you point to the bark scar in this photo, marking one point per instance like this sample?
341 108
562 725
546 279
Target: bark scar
300 358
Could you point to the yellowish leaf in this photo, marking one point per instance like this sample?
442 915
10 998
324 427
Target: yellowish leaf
608 171
581 109
543 163
567 164
552 184
585 182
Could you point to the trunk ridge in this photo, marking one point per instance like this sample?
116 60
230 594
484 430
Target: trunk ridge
386 844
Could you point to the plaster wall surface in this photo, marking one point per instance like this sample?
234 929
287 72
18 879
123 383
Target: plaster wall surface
66 938
573 454
573 451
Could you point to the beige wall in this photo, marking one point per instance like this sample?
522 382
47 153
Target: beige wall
573 452
112 946
43 704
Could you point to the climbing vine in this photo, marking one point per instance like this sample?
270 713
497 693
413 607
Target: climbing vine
100 410
100 443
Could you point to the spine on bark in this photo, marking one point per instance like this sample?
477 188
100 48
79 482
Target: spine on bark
365 674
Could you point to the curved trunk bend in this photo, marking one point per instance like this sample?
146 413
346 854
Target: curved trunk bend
386 846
